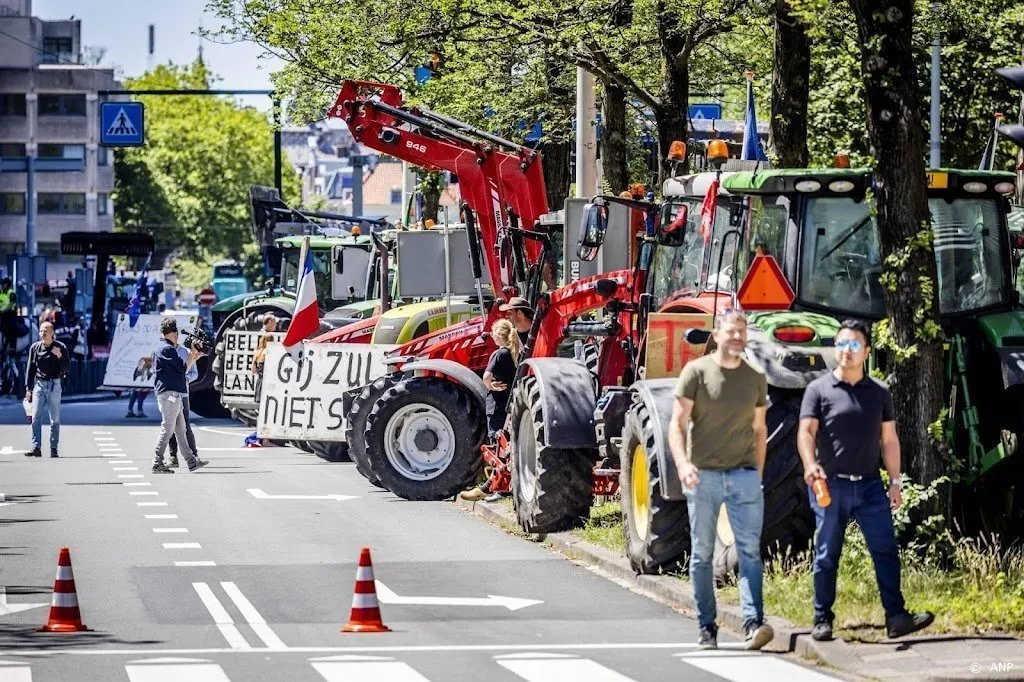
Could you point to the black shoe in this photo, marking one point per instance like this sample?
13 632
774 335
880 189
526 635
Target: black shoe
130 415
907 623
34 452
174 462
708 638
161 469
822 631
757 635
199 464
53 453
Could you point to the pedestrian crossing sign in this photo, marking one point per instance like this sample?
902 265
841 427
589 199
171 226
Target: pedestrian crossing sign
122 124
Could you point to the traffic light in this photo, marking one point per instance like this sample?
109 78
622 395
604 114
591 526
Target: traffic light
1014 74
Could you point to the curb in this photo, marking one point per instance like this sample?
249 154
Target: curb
90 398
670 591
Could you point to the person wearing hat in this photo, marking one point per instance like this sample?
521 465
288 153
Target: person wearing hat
171 383
520 314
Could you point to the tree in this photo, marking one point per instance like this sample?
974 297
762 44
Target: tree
188 185
790 88
911 335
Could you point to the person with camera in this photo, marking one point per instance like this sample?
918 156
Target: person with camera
191 374
171 383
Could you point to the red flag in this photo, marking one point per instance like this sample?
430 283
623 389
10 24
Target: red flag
707 210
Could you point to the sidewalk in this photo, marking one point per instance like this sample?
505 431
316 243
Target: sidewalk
927 659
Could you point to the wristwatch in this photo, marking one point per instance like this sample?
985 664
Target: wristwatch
898 482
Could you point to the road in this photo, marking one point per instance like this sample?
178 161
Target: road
245 571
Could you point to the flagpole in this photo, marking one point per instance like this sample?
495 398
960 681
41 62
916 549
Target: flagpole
303 250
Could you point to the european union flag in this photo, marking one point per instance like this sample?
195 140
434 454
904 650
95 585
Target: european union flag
135 305
751 143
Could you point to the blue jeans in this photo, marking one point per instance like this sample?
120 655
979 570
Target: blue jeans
740 491
46 394
866 503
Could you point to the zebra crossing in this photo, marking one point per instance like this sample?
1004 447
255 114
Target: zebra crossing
731 665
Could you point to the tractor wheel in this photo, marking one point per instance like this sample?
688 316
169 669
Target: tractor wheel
788 519
423 438
657 530
252 322
355 427
207 404
332 451
552 488
303 445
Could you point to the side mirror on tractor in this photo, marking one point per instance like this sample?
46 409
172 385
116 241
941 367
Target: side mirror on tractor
338 256
592 231
673 224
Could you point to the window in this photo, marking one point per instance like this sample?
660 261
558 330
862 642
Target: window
56 50
396 195
61 151
102 158
766 230
56 203
678 267
12 150
12 104
102 203
62 105
12 203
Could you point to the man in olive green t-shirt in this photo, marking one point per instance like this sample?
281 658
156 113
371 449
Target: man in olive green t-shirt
721 401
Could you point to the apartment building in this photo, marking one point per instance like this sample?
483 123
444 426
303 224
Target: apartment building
49 110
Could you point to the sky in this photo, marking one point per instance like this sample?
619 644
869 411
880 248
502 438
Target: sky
121 26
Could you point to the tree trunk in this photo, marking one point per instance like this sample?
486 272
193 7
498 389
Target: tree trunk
896 135
430 185
614 163
790 81
557 175
671 116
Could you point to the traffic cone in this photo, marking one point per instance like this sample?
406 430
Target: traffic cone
365 616
64 613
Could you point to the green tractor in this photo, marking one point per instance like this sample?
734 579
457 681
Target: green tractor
818 227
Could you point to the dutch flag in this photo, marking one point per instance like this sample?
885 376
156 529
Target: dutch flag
306 320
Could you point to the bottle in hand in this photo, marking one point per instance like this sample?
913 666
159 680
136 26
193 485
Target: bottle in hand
821 492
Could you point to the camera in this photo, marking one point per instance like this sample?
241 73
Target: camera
197 339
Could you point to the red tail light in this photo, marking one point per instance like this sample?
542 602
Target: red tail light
794 334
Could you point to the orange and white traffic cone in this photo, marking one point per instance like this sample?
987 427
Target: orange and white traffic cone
64 613
365 616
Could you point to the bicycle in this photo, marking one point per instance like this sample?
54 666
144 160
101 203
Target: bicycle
10 373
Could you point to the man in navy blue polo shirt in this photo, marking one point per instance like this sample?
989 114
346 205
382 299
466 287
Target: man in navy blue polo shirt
848 417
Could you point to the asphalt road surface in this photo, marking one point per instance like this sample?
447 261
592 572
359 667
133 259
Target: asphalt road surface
219 575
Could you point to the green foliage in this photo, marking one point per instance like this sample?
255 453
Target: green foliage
189 184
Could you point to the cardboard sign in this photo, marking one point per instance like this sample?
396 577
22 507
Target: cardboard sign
303 399
130 364
239 387
667 349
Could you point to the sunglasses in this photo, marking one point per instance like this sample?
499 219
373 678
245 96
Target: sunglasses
852 345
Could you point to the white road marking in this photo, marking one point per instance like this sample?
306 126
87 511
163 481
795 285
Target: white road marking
170 672
224 622
161 516
210 429
138 483
260 495
102 433
130 475
102 438
170 530
8 450
7 609
387 596
113 454
253 617
546 667
143 492
13 672
195 563
125 468
366 669
150 504
182 545
202 450
739 666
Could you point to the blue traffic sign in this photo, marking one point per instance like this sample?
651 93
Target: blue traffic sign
122 124
706 111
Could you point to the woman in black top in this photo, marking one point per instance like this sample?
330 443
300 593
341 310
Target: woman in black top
498 377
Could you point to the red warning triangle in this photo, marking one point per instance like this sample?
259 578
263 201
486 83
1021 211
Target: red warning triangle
765 287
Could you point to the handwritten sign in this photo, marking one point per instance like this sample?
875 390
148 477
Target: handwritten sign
303 399
130 364
667 349
239 387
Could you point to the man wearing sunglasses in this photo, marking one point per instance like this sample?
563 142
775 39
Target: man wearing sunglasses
846 432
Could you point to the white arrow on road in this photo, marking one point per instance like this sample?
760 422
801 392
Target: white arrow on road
7 609
260 495
386 596
8 450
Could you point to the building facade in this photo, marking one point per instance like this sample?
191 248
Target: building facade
49 106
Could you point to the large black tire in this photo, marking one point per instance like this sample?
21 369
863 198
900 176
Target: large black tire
420 419
788 519
251 321
657 530
303 445
332 451
552 488
355 426
207 404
